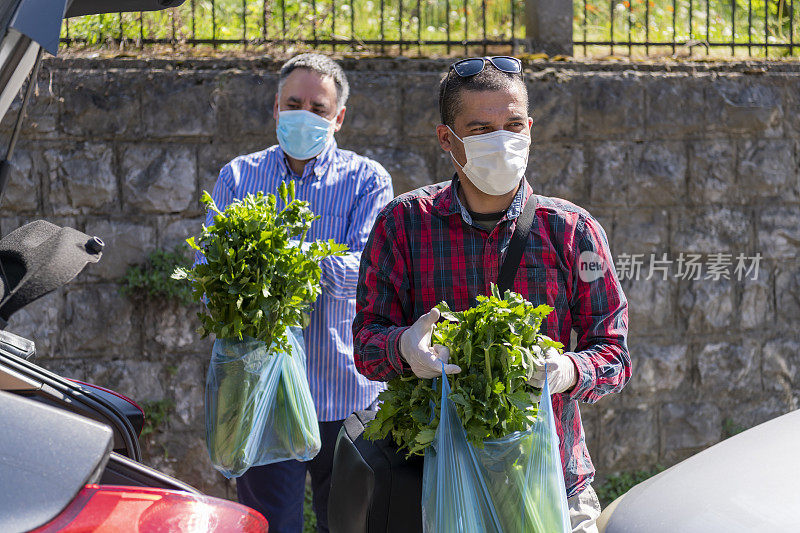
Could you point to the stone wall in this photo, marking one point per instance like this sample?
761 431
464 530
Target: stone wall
671 158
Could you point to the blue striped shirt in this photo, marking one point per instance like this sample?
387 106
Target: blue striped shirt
348 191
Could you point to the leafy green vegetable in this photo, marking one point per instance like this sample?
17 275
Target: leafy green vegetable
255 283
497 345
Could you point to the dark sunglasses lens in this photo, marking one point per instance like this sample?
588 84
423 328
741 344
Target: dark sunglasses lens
468 67
507 64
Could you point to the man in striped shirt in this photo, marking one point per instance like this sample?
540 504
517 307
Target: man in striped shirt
347 190
446 242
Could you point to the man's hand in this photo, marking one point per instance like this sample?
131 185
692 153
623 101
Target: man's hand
561 372
415 347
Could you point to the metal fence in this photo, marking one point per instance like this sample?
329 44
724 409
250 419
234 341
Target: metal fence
766 28
375 26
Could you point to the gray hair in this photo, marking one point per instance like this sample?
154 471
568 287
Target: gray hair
323 66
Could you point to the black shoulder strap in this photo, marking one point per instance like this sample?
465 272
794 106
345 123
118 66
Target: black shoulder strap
508 270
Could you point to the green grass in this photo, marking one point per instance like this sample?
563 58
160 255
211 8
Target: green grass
637 20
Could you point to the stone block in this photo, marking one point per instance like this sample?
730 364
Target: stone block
178 104
173 232
767 170
98 320
791 103
127 243
371 117
727 368
757 308
140 381
629 438
171 327
658 175
25 180
188 381
558 170
781 368
41 113
667 93
213 156
743 104
82 179
650 303
420 108
553 107
779 232
689 426
642 231
243 102
158 178
787 293
712 230
40 321
659 368
409 167
610 106
712 172
609 170
101 105
706 305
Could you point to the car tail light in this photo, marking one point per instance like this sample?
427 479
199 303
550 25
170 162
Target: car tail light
149 510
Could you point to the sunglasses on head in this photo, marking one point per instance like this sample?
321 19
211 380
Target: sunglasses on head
474 65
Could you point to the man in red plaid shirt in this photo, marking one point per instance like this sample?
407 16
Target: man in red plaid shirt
446 242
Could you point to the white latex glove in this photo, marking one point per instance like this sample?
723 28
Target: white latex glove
561 372
415 347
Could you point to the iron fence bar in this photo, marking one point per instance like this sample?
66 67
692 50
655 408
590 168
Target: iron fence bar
447 24
466 28
483 14
194 34
674 24
172 12
119 19
353 23
630 24
400 22
715 44
264 20
766 28
214 22
326 42
333 23
585 22
382 35
611 18
749 28
244 24
314 21
691 21
791 27
66 24
708 22
733 27
647 26
141 29
283 24
419 26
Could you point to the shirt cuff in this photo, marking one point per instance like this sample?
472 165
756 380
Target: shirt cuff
586 377
393 350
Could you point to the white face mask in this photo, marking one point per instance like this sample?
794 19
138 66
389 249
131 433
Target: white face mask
496 161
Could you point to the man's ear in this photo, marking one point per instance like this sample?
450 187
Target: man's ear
276 107
530 123
443 134
339 119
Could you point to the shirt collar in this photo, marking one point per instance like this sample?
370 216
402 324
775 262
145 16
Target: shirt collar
316 167
449 204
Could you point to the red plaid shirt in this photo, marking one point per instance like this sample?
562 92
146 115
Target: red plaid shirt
424 249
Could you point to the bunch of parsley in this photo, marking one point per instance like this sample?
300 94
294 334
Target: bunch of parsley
497 344
259 276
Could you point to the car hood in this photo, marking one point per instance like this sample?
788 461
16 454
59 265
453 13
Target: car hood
28 26
744 483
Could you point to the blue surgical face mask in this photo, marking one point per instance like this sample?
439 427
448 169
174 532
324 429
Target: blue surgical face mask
303 134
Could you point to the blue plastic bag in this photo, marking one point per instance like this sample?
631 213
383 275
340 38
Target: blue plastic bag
513 485
258 405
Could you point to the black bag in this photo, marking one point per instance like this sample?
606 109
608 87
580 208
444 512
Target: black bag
374 488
